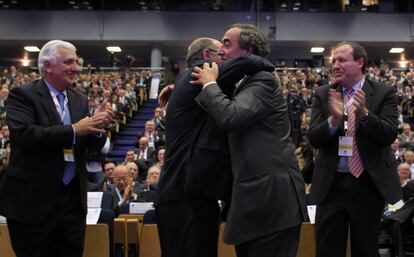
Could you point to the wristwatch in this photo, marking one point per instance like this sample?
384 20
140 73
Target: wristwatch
363 119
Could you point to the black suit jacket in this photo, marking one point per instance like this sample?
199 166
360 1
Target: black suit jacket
374 140
32 182
197 160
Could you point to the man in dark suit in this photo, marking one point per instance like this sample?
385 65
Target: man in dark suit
354 122
197 171
187 222
268 199
146 157
43 194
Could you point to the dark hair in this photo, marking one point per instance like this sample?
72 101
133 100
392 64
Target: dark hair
106 162
358 51
251 38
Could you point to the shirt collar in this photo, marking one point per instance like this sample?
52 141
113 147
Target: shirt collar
356 86
54 90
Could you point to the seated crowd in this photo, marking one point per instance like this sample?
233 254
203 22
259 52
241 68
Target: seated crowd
140 172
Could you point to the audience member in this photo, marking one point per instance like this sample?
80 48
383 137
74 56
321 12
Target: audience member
124 188
145 157
359 117
154 141
406 137
48 141
107 184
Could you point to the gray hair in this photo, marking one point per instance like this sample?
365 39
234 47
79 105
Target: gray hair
50 53
194 52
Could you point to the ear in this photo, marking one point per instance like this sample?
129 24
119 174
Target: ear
250 51
361 62
47 67
205 54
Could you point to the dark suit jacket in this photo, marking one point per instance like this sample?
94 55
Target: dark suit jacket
197 160
33 180
268 189
374 140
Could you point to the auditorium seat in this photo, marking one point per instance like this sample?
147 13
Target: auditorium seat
120 237
6 249
149 241
224 250
133 237
307 246
97 241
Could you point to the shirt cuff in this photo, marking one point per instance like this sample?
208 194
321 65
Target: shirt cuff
74 135
364 120
209 83
332 128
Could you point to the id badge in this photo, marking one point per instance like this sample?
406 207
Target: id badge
68 155
345 146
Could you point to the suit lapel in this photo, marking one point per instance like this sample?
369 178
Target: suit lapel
338 89
48 104
369 92
74 106
241 83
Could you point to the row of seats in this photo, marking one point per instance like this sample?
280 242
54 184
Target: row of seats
96 241
133 238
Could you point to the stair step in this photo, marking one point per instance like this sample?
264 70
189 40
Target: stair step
117 153
121 142
129 133
124 147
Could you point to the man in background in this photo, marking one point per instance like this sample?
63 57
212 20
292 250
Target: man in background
353 124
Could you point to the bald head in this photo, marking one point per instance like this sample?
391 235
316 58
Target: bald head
121 177
203 48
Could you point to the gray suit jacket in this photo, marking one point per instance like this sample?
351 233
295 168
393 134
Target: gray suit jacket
268 190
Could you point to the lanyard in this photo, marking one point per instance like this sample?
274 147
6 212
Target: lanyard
346 124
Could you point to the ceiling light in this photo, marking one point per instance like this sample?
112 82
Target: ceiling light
25 62
34 49
13 2
71 2
403 64
317 49
396 50
113 49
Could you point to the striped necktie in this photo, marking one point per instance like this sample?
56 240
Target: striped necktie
354 162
